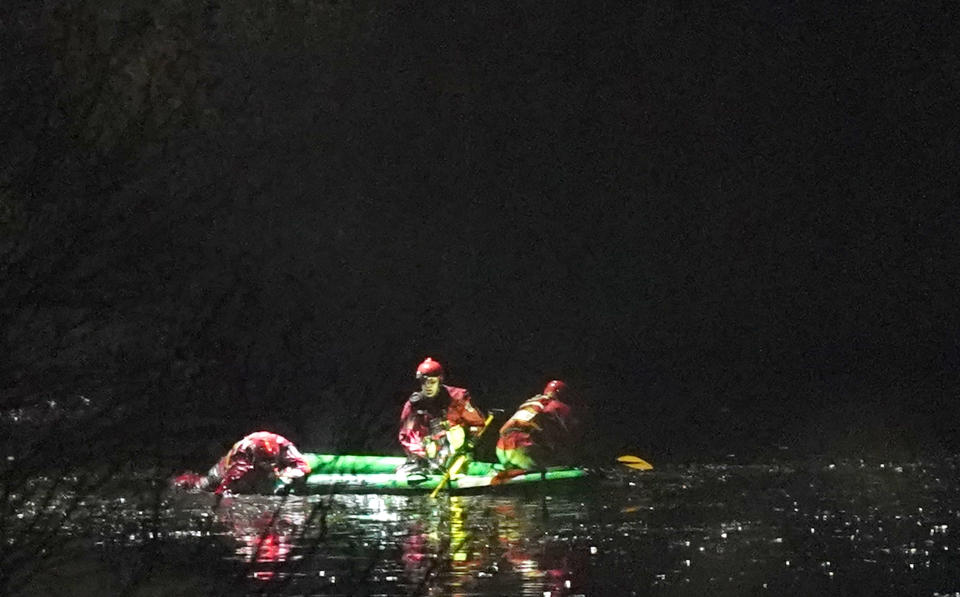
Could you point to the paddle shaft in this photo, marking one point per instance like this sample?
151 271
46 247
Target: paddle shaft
459 459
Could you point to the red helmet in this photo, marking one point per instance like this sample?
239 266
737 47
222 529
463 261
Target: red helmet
261 445
556 388
270 447
429 368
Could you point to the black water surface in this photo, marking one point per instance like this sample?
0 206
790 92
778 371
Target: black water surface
804 528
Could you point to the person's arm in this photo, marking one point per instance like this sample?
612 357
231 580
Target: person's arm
189 481
411 432
465 421
295 466
238 469
560 431
211 481
469 415
560 416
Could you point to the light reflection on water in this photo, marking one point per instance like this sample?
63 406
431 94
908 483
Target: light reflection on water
402 544
812 528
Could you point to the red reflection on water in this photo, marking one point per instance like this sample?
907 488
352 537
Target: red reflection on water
264 539
553 565
266 545
416 547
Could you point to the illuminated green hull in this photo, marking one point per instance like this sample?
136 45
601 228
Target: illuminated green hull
378 474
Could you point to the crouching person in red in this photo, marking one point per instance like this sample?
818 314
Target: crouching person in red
436 421
261 462
542 433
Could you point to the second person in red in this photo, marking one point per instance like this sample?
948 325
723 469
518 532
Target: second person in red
436 420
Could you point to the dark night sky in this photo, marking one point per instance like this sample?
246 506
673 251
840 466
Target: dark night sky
730 228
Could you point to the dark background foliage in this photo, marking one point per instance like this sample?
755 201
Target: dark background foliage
730 228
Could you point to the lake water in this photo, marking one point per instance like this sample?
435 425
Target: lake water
816 527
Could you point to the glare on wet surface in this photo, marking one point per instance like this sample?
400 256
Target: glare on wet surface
817 527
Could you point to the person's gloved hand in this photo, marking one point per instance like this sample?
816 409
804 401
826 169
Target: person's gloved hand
235 473
289 475
187 482
430 447
439 427
286 478
456 436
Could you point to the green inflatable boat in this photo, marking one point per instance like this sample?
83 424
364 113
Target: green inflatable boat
380 474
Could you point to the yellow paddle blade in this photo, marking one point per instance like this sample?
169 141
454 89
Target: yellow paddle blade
635 462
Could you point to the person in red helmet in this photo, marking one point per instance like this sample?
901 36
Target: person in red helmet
542 433
259 463
437 420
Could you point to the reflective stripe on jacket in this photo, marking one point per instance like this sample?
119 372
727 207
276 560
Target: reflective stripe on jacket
451 404
549 422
